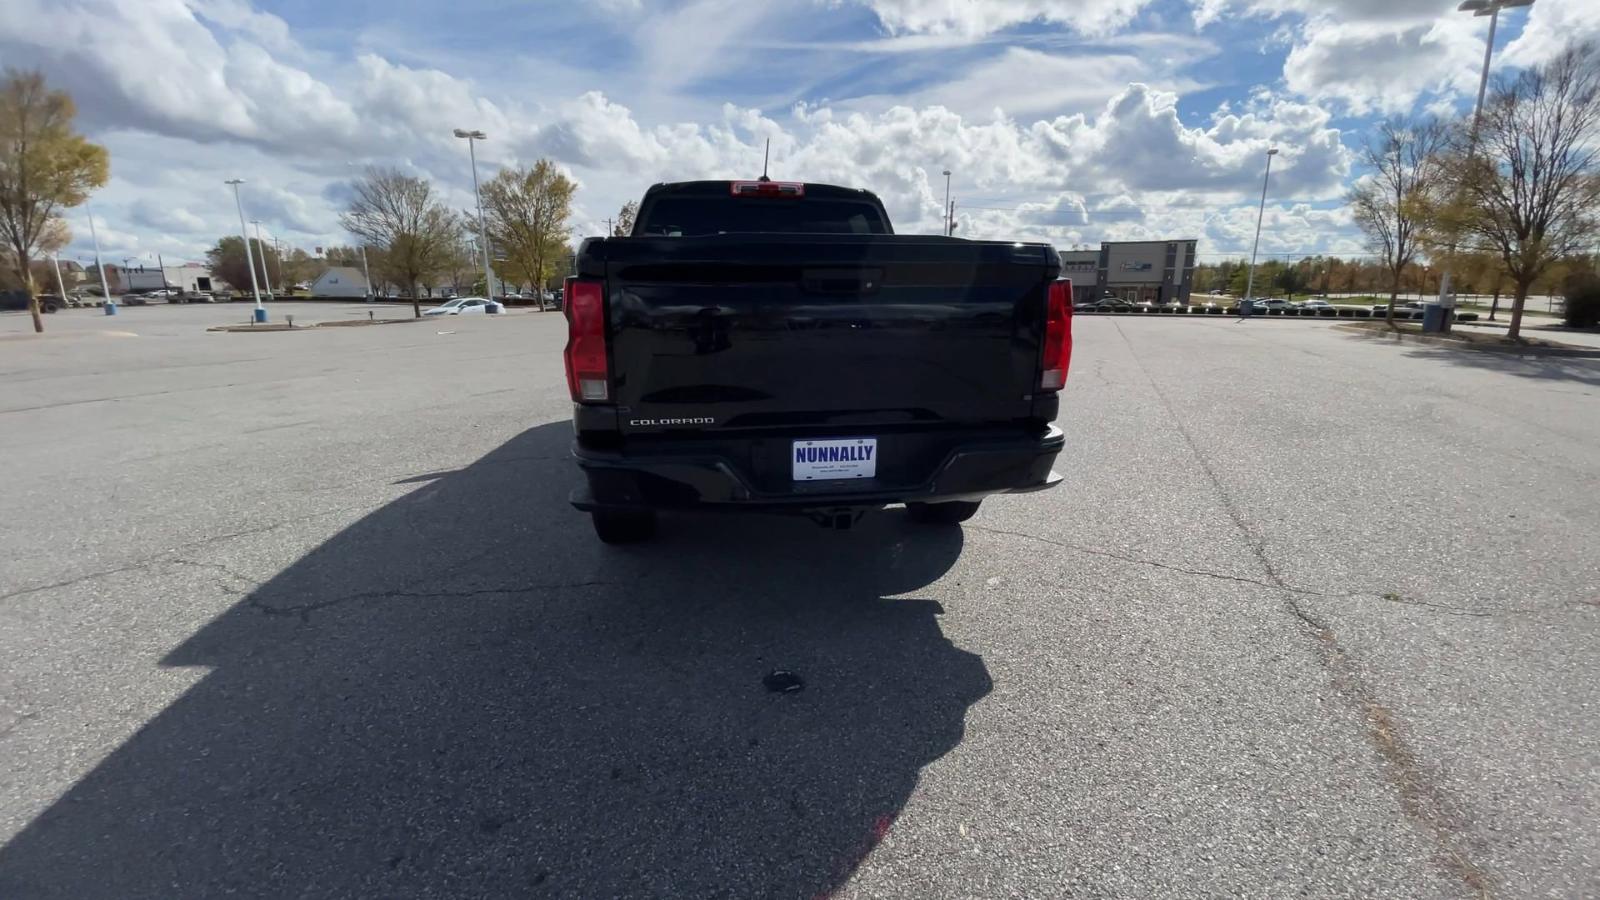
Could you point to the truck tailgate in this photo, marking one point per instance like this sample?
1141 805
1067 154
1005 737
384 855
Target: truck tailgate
822 332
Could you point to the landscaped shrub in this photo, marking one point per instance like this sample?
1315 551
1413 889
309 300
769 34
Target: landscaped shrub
1583 301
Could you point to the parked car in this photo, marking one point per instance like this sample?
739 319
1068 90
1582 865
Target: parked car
466 306
1271 303
765 388
1316 304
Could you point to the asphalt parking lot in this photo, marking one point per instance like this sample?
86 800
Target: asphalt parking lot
307 615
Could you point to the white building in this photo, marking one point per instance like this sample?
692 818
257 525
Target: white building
187 277
340 281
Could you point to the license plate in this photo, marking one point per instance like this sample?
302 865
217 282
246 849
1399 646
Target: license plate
842 458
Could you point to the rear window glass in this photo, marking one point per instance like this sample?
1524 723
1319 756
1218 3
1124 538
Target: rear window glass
694 216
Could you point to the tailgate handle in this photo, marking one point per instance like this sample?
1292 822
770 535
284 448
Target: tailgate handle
841 281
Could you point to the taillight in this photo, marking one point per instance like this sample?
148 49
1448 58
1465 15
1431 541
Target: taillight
588 376
1057 337
768 189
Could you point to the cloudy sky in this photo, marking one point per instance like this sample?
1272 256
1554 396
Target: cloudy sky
1071 121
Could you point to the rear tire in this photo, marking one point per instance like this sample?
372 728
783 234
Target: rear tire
952 512
624 527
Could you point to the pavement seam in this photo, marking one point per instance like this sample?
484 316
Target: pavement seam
302 611
1423 801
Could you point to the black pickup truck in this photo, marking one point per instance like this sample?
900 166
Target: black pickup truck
774 346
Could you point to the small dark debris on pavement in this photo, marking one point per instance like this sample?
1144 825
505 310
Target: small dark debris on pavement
781 681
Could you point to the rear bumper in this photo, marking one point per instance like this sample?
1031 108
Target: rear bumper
697 478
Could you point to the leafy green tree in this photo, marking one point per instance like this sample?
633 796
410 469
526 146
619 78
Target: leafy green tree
228 261
528 210
45 167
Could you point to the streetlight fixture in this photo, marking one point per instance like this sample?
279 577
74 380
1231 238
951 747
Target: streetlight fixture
249 258
947 202
1490 8
471 138
1250 283
260 245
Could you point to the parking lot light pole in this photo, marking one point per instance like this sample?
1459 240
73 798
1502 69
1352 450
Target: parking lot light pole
483 231
366 272
61 285
249 259
1490 8
266 275
1250 282
105 289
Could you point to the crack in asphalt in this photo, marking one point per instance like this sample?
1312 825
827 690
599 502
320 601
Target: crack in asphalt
1422 800
166 556
303 611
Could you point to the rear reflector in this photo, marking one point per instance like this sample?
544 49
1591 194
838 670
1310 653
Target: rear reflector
1057 337
768 189
588 375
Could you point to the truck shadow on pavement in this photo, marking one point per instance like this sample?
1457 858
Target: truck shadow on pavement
465 694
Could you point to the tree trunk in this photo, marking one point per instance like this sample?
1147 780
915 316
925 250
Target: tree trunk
33 294
1515 331
1394 298
416 304
1495 307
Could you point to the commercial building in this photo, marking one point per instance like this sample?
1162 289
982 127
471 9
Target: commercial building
1135 271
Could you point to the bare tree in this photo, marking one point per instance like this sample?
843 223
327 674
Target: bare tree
1532 186
1393 204
404 216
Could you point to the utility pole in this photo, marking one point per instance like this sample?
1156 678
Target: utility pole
951 229
610 229
947 202
163 267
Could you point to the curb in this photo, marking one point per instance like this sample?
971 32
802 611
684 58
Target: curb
336 323
1400 337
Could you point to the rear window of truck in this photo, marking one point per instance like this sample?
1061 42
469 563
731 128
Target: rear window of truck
695 216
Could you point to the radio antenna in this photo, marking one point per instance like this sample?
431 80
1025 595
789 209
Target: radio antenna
765 156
